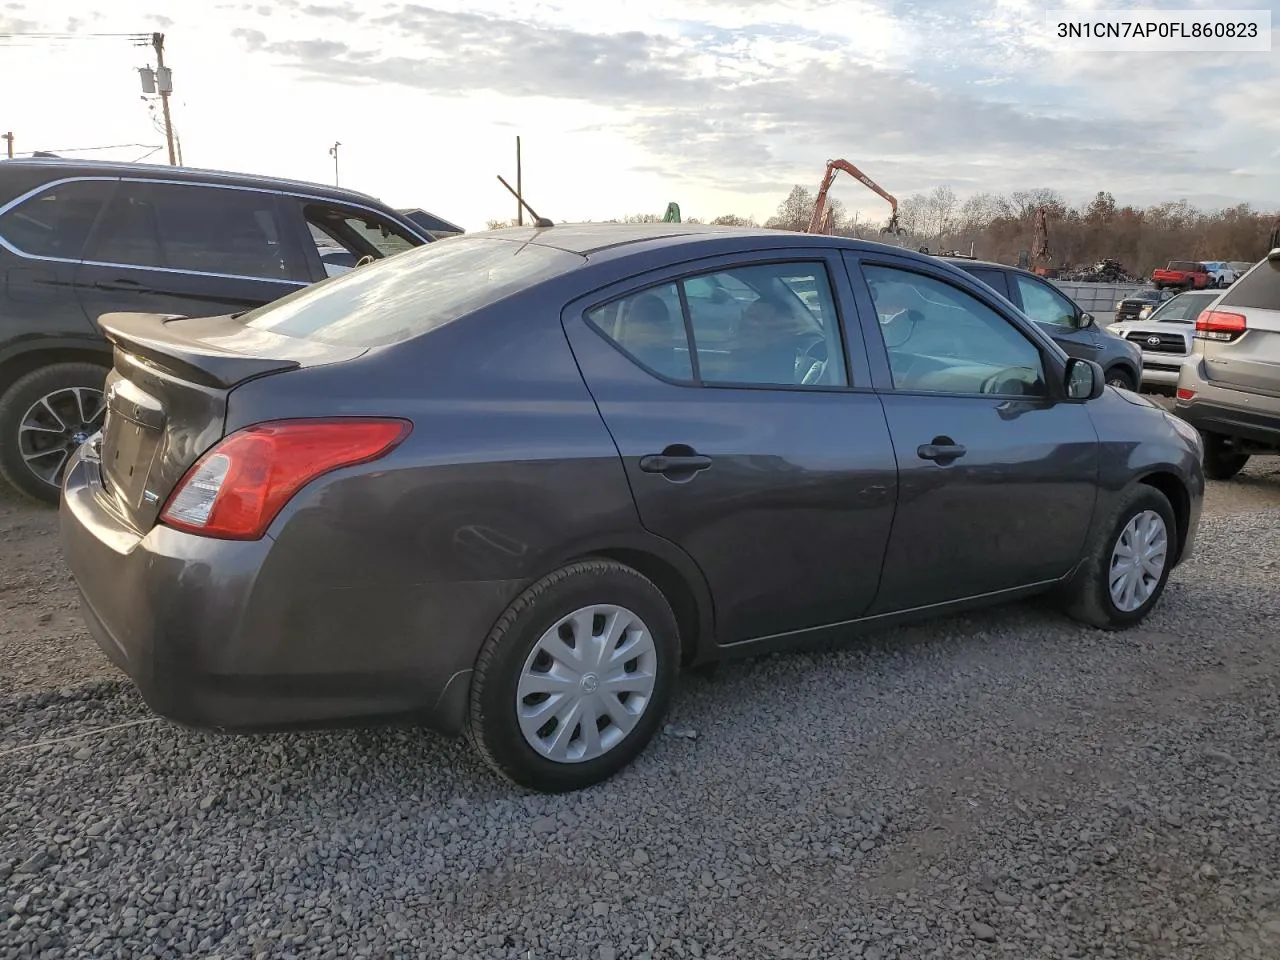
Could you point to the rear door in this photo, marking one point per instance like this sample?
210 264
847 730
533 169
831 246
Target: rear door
1247 359
188 249
781 490
997 475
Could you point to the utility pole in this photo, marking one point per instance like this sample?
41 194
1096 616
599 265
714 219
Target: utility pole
519 187
333 152
164 82
8 137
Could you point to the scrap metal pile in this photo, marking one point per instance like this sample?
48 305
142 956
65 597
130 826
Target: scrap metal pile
1104 271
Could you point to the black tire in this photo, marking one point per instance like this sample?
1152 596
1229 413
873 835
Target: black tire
1120 377
493 726
24 394
1087 597
1220 461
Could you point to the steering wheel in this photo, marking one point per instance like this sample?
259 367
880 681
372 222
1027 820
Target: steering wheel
1007 382
812 360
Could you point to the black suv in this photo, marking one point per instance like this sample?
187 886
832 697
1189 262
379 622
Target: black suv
79 239
1073 329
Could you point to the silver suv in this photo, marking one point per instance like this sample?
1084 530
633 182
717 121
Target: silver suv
1229 388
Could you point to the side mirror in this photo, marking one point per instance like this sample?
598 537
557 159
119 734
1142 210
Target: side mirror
1085 320
1084 380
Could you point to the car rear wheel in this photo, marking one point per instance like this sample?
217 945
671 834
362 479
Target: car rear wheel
1121 378
1127 563
44 417
1220 461
575 678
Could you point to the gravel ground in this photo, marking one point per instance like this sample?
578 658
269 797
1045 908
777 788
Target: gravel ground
1005 784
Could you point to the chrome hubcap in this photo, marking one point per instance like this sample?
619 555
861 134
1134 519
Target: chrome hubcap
55 426
1138 561
586 683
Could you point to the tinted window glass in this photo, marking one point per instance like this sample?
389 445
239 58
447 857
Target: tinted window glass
56 222
1042 303
1259 287
127 232
401 297
994 279
770 324
214 230
942 340
649 326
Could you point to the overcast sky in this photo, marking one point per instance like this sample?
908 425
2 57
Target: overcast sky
720 105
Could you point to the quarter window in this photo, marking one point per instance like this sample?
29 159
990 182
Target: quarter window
941 339
1043 304
771 325
56 222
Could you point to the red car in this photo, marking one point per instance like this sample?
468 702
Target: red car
1183 274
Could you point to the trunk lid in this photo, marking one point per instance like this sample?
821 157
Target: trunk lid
167 396
1251 362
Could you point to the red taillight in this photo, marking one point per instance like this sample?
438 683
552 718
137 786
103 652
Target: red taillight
1185 394
236 489
1219 325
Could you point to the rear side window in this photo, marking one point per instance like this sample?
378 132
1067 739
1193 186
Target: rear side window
993 279
56 222
401 297
1260 287
191 227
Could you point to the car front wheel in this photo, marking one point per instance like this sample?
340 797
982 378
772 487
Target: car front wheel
1127 563
575 678
1121 379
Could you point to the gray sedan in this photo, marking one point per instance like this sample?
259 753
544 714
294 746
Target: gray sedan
507 484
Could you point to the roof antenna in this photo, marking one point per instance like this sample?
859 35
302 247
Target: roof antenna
538 221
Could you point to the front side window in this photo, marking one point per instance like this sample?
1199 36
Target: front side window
344 236
765 325
1043 304
57 221
940 339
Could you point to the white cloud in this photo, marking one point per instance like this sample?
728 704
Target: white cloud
718 104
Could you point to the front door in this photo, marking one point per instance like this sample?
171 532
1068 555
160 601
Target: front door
997 472
1057 316
761 451
188 249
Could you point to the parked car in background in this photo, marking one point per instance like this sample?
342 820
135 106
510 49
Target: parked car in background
437 228
1221 273
1137 306
1165 337
1229 388
503 485
1061 317
1182 275
82 238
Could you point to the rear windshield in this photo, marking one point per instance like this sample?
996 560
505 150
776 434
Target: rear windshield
411 293
1260 287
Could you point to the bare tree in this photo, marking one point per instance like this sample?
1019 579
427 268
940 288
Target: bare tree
940 211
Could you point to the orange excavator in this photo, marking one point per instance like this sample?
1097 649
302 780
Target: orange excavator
821 221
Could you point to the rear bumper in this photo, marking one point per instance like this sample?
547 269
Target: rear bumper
223 635
1230 413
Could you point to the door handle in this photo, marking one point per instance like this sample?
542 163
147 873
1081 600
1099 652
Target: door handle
668 464
124 286
942 450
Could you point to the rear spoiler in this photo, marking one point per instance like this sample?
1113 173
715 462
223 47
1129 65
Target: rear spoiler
183 352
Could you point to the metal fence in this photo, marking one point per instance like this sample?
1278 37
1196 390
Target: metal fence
1099 298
